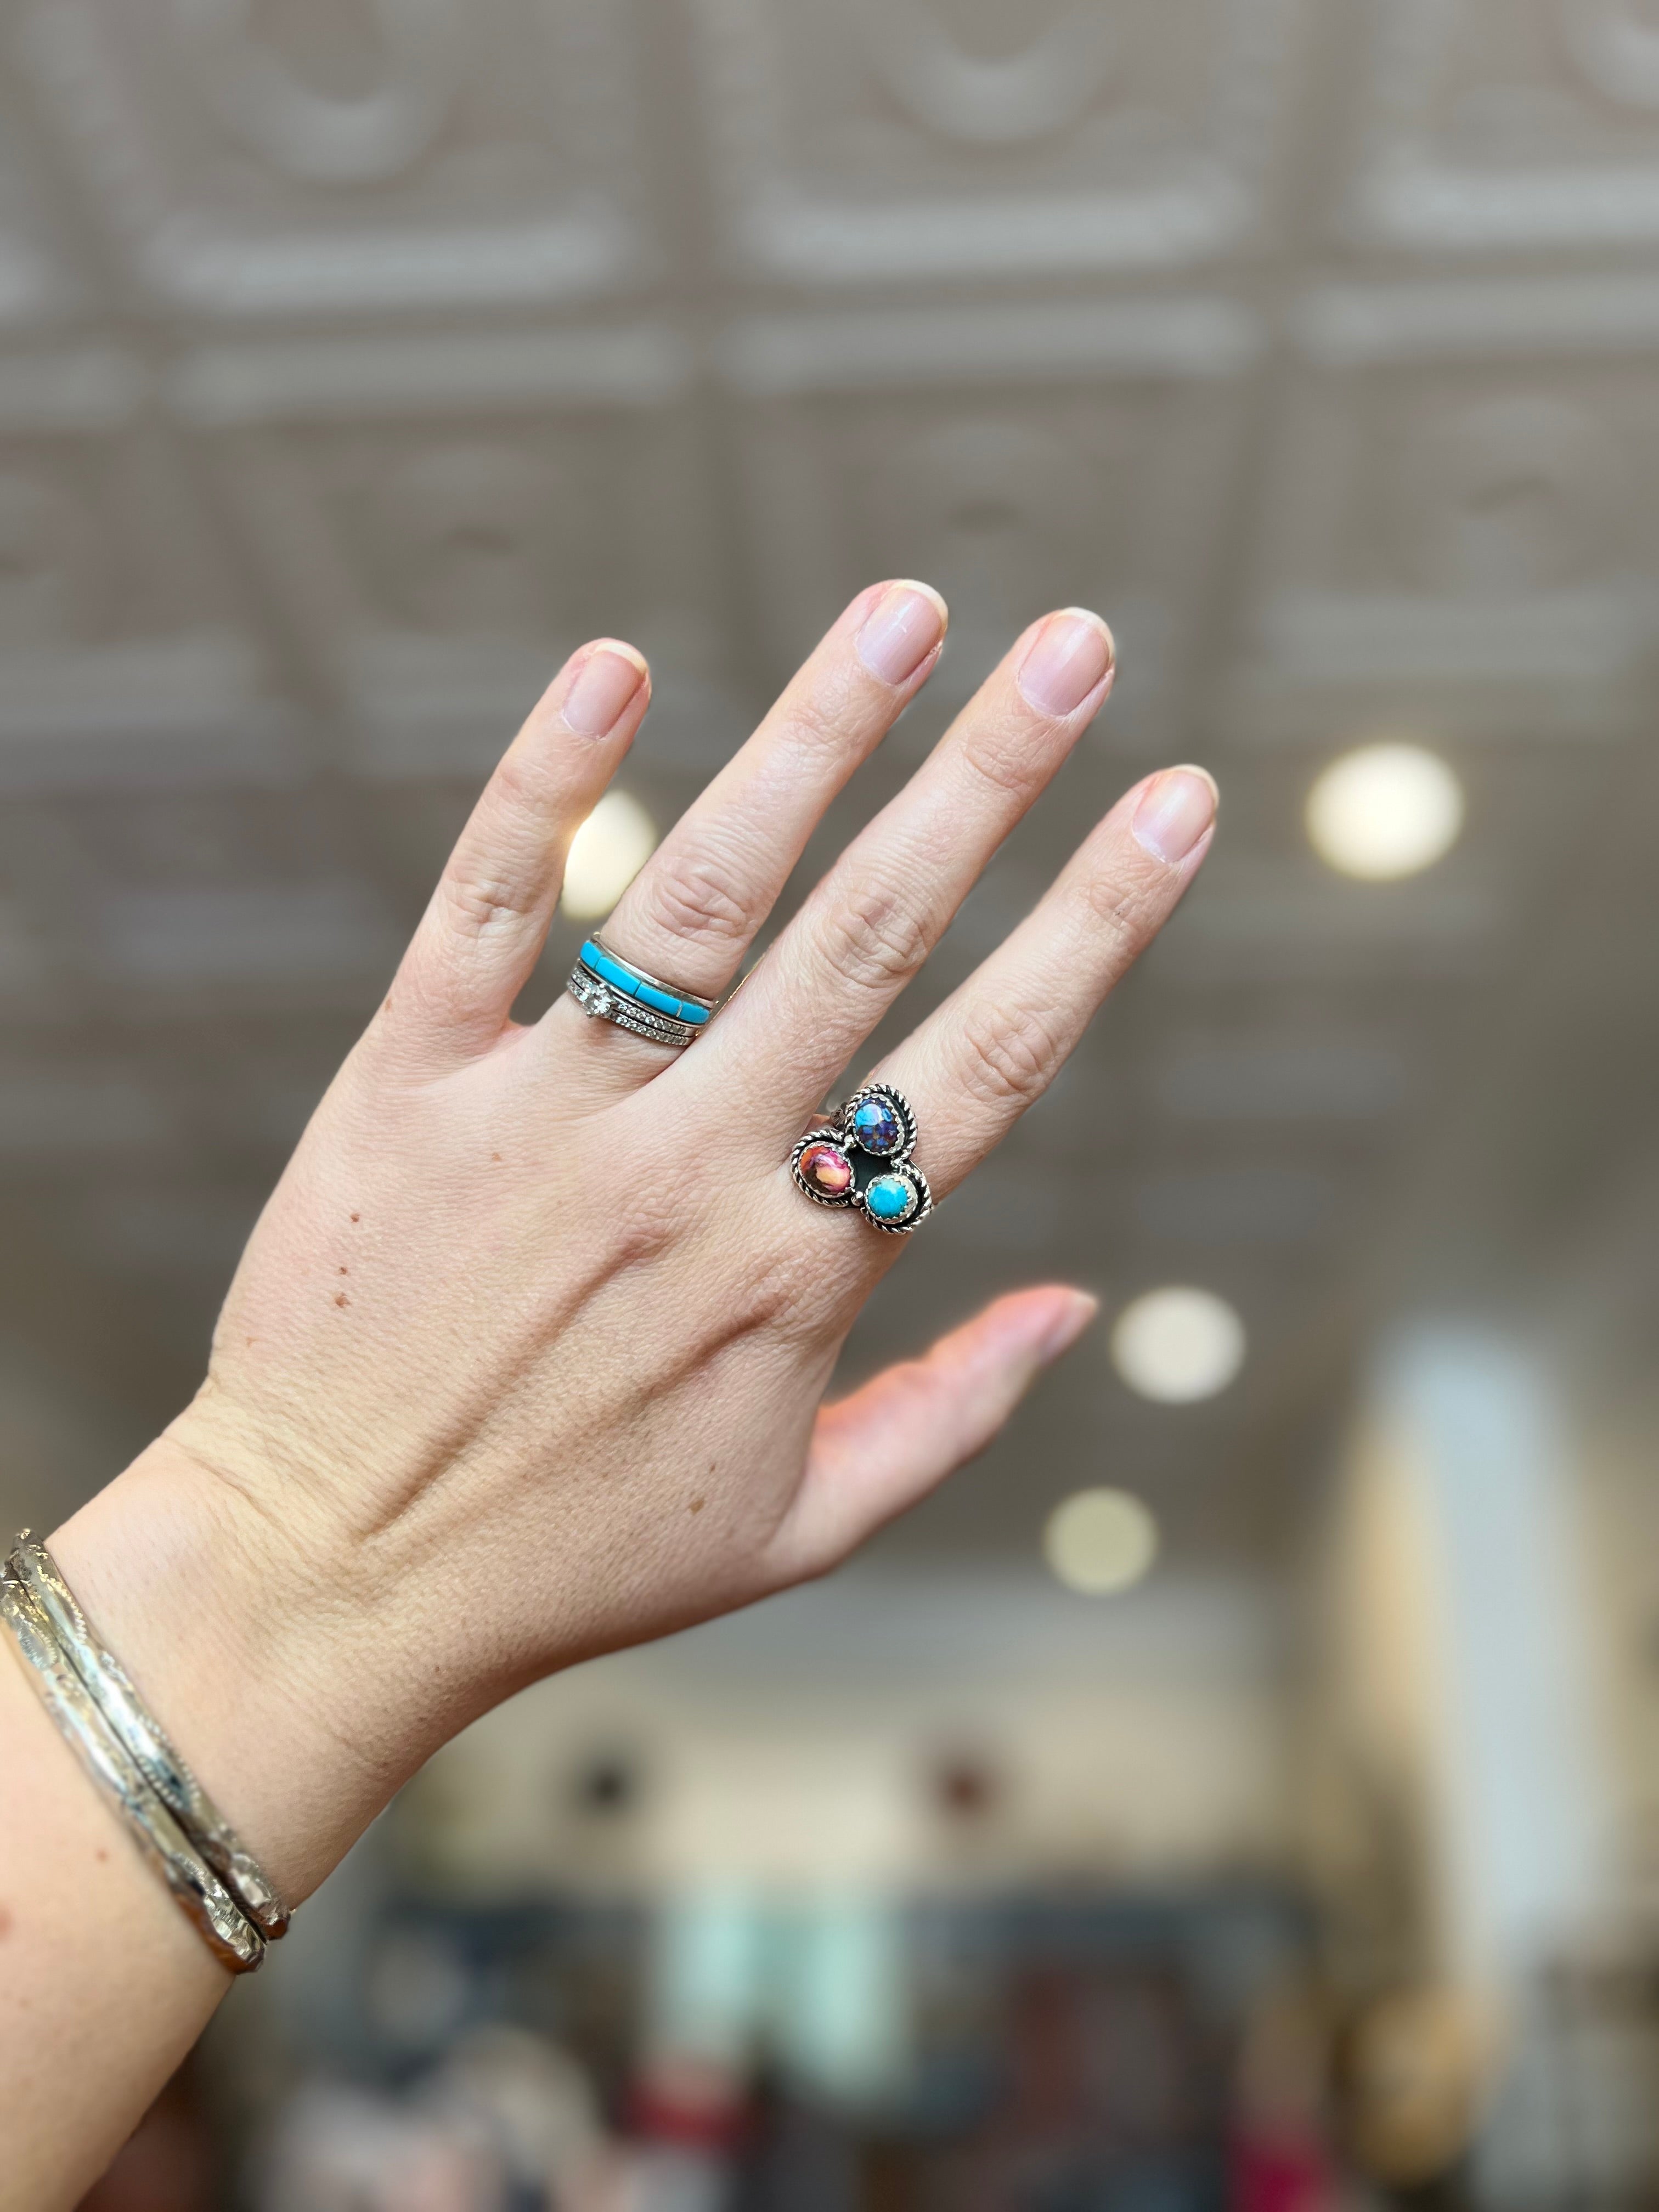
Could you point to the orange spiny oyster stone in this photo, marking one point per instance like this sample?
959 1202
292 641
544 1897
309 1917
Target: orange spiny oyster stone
827 1168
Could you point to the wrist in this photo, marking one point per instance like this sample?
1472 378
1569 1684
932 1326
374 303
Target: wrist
241 1641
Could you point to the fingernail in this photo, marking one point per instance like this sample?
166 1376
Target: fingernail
1068 657
606 681
1068 1325
901 630
1176 809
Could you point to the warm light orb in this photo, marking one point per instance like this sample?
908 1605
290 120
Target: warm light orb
606 854
1100 1540
1177 1344
1385 812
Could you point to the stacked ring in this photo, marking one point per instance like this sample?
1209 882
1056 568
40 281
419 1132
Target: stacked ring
614 990
862 1160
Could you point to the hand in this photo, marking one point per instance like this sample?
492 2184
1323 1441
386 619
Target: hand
511 1373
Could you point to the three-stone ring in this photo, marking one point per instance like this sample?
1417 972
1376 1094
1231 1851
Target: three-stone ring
863 1160
614 990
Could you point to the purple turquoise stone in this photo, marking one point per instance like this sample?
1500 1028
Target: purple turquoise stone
876 1126
827 1169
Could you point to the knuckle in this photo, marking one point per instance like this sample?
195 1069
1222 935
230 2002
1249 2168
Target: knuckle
1008 762
475 902
875 939
818 721
697 896
524 784
1122 910
1012 1055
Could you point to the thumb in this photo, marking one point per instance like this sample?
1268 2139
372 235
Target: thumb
876 1454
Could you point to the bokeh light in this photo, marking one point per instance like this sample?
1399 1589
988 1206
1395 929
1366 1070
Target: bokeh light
1098 1541
1385 812
1178 1344
606 854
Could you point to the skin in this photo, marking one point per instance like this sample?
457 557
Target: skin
495 1390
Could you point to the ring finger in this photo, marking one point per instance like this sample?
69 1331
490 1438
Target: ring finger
994 1045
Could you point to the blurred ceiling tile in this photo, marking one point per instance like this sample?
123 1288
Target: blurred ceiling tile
436 563
45 1111
1237 1206
1168 335
1461 537
1275 933
91 387
1293 1082
40 284
1477 317
335 379
280 933
858 142
285 163
1507 125
160 712
1010 493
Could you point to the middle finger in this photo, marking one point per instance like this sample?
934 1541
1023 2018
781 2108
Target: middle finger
689 914
876 916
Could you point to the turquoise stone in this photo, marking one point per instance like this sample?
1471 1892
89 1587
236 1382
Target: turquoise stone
890 1197
595 957
624 979
876 1126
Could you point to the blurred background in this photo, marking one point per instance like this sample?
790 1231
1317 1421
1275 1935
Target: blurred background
1242 1788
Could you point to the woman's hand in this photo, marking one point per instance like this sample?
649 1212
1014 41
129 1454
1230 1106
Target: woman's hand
525 1359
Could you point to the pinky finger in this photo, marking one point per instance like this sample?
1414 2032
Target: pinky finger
880 1451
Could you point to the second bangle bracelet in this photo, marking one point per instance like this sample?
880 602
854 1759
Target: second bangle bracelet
146 1741
227 1930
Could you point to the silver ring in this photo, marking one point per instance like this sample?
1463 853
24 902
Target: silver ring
613 989
862 1160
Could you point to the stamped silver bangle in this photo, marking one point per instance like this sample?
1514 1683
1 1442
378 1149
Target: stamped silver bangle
146 1741
198 1891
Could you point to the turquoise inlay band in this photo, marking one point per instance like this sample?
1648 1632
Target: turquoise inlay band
633 985
609 970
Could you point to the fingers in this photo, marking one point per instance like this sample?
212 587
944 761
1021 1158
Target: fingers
874 920
480 936
877 1453
995 1045
693 909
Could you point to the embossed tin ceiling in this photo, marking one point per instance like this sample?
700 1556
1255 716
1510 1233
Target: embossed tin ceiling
357 357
